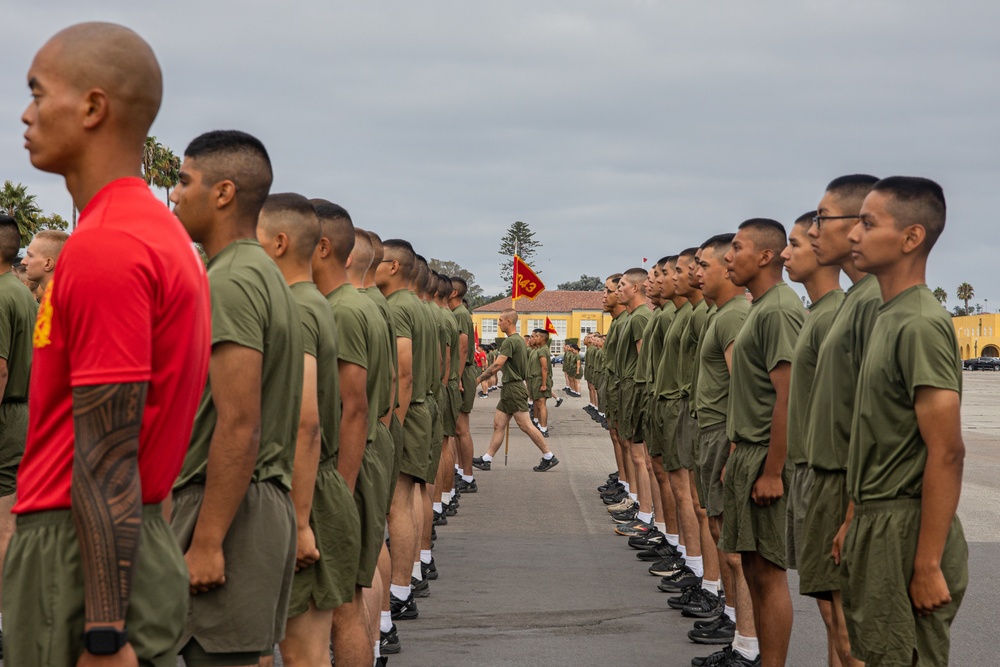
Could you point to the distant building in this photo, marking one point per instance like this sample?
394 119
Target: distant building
574 315
978 335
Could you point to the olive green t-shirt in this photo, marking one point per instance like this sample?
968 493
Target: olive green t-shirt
516 350
431 349
766 339
253 307
689 345
451 326
712 393
319 340
662 318
630 334
813 332
17 326
696 361
466 327
668 373
611 344
363 340
375 295
831 404
408 321
912 345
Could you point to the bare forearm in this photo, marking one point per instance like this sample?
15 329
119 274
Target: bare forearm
405 396
490 371
4 375
939 502
353 438
778 448
304 468
106 494
232 457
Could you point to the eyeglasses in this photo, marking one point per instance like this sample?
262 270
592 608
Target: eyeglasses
818 219
390 261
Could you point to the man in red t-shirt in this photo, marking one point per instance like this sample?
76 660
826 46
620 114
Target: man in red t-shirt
115 382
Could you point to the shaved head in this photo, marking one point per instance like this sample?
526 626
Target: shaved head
115 60
718 244
10 239
637 276
400 251
510 315
850 191
362 254
766 234
292 215
335 224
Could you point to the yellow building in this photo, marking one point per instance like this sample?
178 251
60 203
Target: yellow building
978 335
574 315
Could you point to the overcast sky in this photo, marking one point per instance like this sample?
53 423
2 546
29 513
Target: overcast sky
616 129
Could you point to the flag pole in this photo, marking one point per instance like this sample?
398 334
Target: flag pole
506 446
513 304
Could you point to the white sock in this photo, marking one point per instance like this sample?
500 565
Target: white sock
697 565
662 527
378 651
544 429
417 574
459 470
447 496
547 456
748 647
672 539
437 506
625 484
600 414
487 458
645 517
401 592
426 557
683 552
731 613
385 621
710 586
467 479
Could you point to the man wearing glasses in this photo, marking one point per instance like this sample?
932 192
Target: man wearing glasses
831 405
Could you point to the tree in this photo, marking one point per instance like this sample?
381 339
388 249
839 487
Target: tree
940 295
965 292
18 204
452 269
519 236
160 167
584 284
54 221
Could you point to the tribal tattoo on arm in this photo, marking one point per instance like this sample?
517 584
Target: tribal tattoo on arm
492 370
106 493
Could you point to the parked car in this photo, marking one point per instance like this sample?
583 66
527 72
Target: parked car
558 359
982 364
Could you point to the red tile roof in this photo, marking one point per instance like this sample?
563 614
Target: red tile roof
549 301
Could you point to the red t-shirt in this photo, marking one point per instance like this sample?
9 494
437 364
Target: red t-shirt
129 302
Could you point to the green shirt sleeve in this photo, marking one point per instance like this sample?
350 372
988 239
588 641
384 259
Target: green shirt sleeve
239 313
927 354
781 330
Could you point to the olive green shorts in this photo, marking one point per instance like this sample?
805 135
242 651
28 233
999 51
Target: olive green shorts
825 511
629 409
648 403
602 392
469 387
451 401
687 432
877 568
513 398
670 422
396 435
248 612
418 428
611 401
535 388
747 526
43 592
330 581
655 441
713 453
798 500
437 438
13 435
371 501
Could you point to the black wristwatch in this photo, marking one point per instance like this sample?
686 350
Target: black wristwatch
105 641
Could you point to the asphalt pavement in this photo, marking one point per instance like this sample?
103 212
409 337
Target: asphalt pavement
532 573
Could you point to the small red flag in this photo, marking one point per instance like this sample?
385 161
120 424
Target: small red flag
551 328
526 283
644 260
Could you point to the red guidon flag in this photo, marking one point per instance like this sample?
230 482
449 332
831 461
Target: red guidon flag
551 328
526 283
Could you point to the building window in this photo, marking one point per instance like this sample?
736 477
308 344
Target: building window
560 326
587 326
490 329
556 345
535 324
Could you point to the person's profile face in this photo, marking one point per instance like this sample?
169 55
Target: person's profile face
679 278
741 259
191 199
829 237
876 241
610 296
34 262
665 281
800 259
53 116
692 271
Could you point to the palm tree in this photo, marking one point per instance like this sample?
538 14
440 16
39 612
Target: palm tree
965 292
18 204
160 167
940 295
